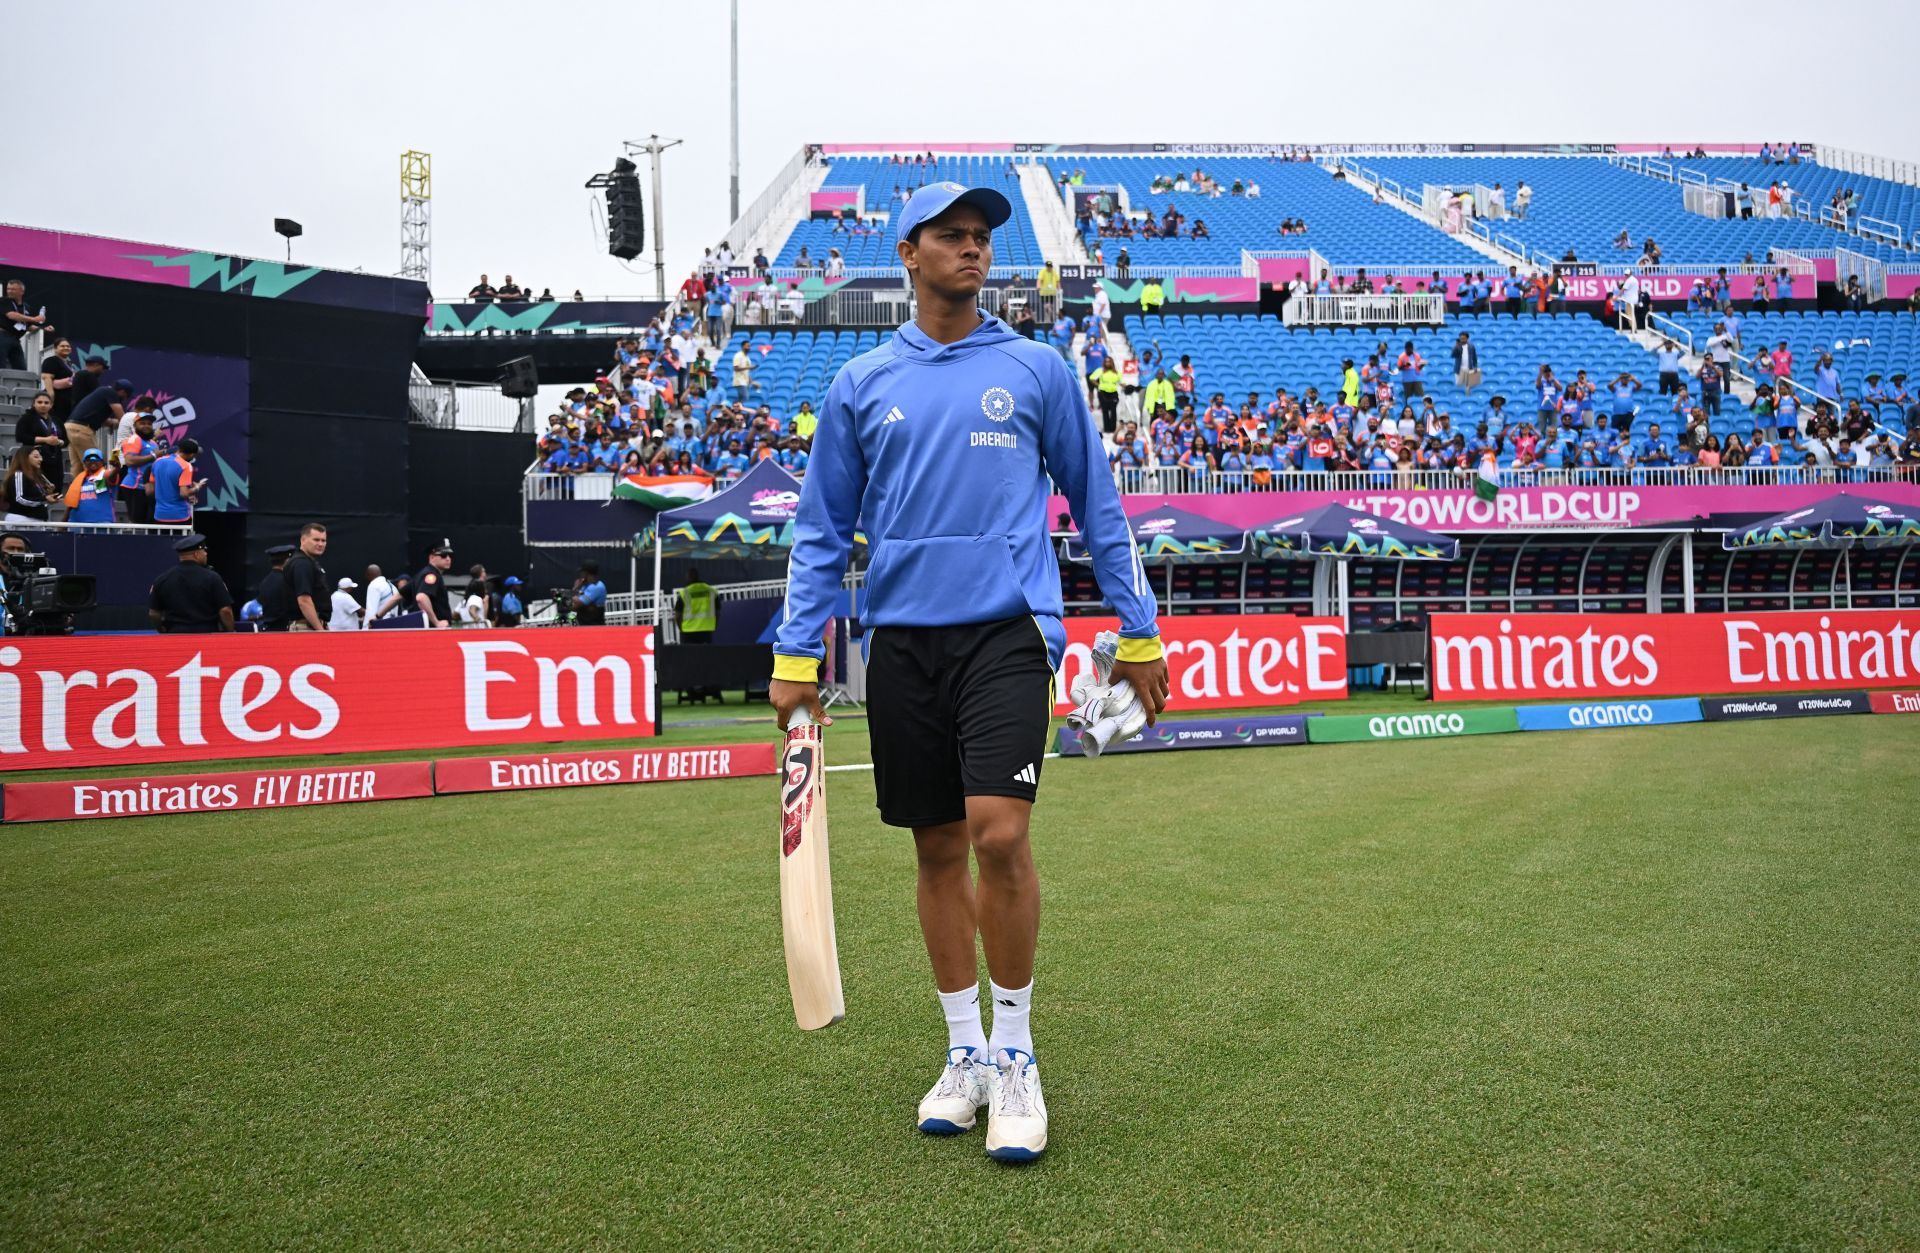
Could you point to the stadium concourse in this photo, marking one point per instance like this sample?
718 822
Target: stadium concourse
1292 320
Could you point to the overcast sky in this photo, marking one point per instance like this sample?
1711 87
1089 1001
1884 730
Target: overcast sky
196 124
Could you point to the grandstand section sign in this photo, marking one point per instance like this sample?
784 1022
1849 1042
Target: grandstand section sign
1229 661
137 699
1529 656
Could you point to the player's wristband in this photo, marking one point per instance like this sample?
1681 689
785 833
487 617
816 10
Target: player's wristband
1139 650
792 669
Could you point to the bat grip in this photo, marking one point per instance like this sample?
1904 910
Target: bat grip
800 718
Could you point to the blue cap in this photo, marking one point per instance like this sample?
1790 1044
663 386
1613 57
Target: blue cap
936 198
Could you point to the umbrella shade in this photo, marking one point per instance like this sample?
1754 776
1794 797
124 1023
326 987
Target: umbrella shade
1337 531
1840 521
1164 533
753 518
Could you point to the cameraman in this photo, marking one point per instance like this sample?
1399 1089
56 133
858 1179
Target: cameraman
589 600
12 545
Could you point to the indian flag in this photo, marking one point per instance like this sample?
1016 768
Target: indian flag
665 491
1486 484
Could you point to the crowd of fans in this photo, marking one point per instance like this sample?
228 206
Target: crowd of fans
665 406
85 449
1376 416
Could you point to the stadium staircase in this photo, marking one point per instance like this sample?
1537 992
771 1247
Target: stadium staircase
1362 180
1052 225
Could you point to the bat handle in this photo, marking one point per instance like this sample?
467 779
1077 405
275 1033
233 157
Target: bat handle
800 718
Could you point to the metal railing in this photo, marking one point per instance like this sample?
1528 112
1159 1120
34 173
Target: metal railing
1853 162
1365 309
1871 271
1672 330
103 528
784 199
648 608
466 406
1180 480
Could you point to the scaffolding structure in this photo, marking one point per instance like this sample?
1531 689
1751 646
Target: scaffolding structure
416 216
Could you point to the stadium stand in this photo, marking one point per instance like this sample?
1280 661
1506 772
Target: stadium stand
1879 198
1584 203
1343 223
887 182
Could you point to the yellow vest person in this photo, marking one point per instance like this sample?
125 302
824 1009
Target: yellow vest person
1151 296
697 615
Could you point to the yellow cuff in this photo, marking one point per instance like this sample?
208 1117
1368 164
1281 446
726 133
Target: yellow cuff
806 669
1139 650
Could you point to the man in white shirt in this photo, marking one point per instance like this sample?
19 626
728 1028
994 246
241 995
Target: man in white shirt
793 304
346 610
1102 304
380 590
1627 303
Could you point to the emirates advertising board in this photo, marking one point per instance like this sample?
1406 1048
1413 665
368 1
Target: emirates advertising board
128 700
1229 661
1546 655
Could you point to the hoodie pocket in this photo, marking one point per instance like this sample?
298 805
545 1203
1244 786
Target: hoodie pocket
943 580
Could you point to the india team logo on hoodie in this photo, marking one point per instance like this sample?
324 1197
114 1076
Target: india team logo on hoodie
997 403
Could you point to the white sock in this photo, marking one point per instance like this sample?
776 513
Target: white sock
1010 1029
962 1009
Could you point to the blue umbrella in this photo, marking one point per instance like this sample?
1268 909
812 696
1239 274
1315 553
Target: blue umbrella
1337 531
1840 521
1164 533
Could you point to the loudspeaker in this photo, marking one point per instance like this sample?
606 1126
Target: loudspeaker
626 216
519 378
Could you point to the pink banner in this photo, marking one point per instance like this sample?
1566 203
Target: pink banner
1282 269
1568 506
827 199
1900 286
88 254
1581 288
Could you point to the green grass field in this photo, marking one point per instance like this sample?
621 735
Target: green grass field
1628 988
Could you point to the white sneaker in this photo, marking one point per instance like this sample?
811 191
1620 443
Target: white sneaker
950 1105
1017 1114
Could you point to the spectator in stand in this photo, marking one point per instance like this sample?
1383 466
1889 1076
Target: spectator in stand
508 290
57 370
175 489
742 374
1713 381
1466 363
1522 201
89 497
344 610
717 304
1669 365
482 292
17 321
26 493
37 428
98 415
1826 380
1412 369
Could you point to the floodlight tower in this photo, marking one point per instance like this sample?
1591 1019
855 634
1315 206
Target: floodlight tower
416 216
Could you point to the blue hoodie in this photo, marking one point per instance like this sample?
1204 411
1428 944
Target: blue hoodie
942 454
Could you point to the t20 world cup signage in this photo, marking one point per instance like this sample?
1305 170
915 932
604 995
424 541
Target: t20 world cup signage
138 699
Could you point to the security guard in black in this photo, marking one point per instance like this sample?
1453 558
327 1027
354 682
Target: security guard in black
190 598
431 583
276 599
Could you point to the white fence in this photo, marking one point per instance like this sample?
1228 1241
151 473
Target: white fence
1177 480
1365 309
466 406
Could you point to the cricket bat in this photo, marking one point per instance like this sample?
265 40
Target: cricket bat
806 883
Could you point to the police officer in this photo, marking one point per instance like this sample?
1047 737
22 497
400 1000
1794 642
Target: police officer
589 596
430 586
276 602
190 597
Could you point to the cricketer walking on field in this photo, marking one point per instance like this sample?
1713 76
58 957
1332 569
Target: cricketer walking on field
939 445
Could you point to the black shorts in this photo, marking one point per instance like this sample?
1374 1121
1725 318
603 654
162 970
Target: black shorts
953 712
